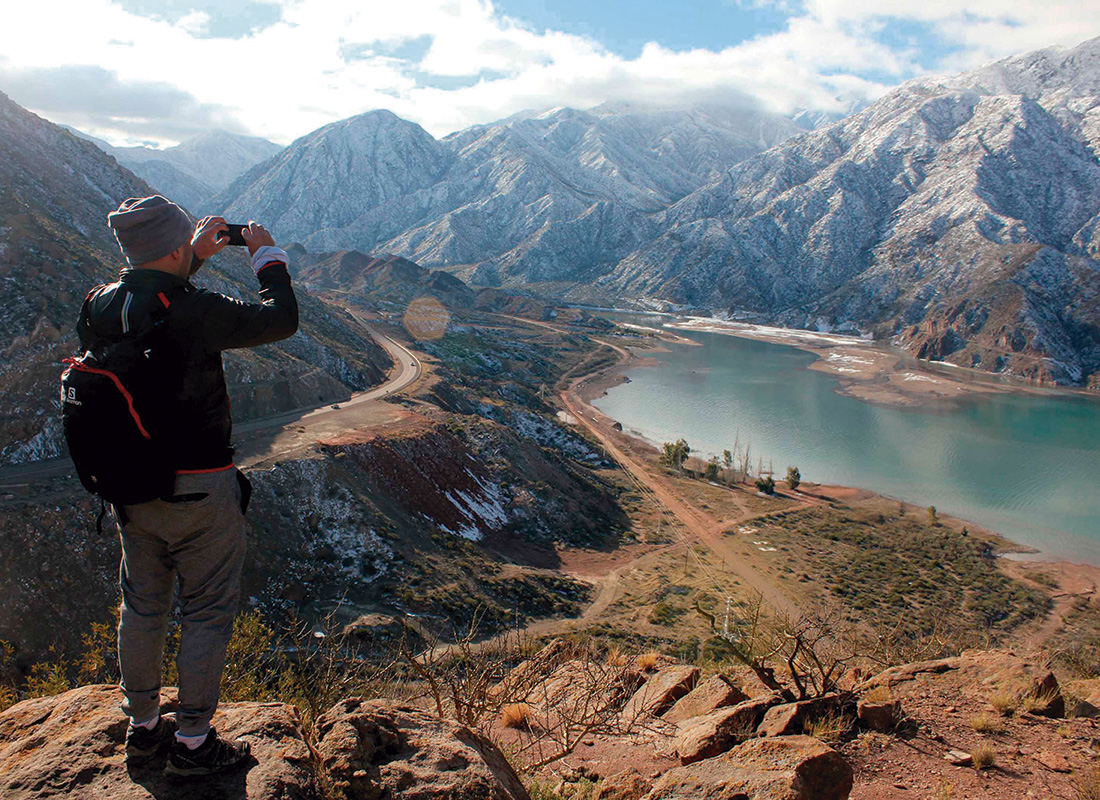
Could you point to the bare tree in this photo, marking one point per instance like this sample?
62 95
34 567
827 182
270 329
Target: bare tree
812 648
553 700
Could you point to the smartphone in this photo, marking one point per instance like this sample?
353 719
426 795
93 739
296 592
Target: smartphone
235 234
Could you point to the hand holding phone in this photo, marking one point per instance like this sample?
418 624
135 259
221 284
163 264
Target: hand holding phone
235 234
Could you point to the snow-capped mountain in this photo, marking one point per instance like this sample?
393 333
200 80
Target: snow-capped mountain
194 170
329 178
958 215
535 198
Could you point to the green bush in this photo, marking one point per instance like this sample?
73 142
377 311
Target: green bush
765 484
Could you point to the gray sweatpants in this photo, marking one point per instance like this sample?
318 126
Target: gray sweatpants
202 541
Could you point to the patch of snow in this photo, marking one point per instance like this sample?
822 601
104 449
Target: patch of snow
332 517
716 325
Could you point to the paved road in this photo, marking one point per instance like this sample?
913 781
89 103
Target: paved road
407 370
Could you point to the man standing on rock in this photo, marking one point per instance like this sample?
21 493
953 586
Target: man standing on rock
196 533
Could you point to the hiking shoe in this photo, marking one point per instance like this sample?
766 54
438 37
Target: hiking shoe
143 743
213 755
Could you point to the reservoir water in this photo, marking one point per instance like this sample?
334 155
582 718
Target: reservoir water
1023 465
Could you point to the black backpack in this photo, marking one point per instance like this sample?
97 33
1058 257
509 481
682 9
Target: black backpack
116 402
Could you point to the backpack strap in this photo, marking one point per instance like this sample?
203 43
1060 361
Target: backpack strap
84 323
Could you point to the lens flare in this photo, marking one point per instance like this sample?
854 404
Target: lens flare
426 319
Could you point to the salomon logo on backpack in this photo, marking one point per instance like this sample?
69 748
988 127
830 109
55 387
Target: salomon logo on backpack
115 408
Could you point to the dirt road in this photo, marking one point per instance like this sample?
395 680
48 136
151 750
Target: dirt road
709 530
700 524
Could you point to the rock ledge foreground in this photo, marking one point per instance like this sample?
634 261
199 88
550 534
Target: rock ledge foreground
72 745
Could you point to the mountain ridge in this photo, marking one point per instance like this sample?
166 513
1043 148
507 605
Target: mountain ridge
955 216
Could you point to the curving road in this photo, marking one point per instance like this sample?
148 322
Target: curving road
408 369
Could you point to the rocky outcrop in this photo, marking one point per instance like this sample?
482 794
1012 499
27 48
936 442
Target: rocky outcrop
715 733
716 692
787 768
988 672
72 745
791 718
375 750
878 715
662 690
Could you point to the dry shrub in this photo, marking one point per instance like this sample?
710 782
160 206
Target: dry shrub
1004 703
1036 701
986 723
647 662
829 727
517 715
944 791
983 755
8 698
874 742
1088 784
616 658
555 698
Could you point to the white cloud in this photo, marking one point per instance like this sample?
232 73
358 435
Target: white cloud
985 30
325 60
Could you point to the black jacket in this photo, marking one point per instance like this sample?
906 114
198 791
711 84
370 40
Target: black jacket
200 324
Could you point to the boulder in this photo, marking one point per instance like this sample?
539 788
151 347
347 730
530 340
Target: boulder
1083 709
715 733
909 672
1046 697
627 785
658 693
790 768
73 745
717 692
878 715
1056 762
790 719
376 749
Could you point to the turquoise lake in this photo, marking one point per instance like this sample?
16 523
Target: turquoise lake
1023 465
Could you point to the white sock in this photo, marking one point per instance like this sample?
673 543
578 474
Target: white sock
148 724
191 742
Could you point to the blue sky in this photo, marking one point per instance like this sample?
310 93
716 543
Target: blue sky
159 71
625 26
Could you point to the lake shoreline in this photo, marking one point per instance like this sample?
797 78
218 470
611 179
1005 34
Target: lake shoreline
1015 556
878 374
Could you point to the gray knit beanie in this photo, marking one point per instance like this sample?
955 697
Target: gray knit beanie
148 228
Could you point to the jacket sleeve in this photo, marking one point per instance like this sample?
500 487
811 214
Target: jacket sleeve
227 323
